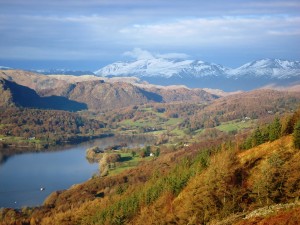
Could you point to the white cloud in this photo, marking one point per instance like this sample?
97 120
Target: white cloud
74 29
211 31
138 53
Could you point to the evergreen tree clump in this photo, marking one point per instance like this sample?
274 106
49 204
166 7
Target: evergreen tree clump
260 135
275 130
257 137
296 135
147 151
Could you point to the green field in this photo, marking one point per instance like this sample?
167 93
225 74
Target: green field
173 121
235 125
158 123
128 162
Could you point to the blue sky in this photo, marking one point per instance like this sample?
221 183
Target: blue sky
79 34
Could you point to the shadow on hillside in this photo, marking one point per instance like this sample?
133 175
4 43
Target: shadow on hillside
26 97
152 96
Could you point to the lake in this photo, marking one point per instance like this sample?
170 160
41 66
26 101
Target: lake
22 176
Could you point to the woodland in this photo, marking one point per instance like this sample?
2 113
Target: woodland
224 180
43 128
216 159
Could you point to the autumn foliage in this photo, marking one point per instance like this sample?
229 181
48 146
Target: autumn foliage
204 183
48 126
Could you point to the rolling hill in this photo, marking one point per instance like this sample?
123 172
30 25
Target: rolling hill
22 96
103 94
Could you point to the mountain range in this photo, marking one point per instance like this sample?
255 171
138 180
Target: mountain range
88 92
199 74
160 71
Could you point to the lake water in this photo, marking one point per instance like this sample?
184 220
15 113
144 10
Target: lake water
22 176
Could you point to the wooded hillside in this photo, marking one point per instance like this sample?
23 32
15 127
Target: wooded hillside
212 182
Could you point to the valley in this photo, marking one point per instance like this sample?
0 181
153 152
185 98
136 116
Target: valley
187 180
201 139
171 113
149 112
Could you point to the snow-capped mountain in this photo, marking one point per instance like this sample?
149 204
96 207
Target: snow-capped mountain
161 67
195 73
268 68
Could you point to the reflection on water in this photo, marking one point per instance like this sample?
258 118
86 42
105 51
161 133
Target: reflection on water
3 158
23 175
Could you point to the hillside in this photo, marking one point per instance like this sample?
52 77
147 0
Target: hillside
168 112
35 129
182 94
250 105
5 93
22 96
247 180
211 182
103 95
42 84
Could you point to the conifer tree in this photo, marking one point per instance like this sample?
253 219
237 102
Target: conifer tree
257 137
275 130
296 135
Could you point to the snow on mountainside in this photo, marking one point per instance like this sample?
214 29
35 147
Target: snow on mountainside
162 67
4 68
270 68
169 68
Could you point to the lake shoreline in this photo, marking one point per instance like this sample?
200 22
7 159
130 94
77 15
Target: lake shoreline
13 149
57 162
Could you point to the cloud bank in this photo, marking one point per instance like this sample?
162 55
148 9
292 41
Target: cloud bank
138 53
86 30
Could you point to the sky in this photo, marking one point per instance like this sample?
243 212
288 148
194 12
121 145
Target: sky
89 34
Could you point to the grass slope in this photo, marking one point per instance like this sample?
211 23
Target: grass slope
190 185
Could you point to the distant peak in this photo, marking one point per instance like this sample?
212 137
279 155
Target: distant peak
272 63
